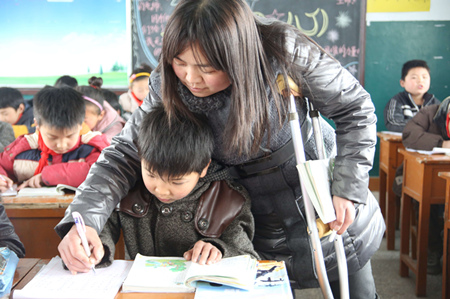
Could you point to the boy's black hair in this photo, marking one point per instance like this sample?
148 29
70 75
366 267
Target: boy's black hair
412 64
10 97
94 94
112 98
175 148
60 108
66 81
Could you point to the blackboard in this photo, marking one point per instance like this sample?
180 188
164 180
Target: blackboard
337 25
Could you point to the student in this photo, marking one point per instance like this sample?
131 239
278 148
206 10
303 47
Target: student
138 90
100 116
404 105
427 129
55 153
6 135
180 187
226 70
66 81
112 98
16 111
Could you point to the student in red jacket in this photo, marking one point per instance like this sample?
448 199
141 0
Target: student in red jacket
56 153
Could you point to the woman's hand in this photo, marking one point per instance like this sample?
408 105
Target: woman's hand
202 253
345 214
5 183
33 182
73 254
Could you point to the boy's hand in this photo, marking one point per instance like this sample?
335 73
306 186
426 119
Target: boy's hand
33 182
73 254
202 253
446 144
5 183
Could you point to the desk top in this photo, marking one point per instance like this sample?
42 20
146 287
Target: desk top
37 202
444 175
424 158
389 137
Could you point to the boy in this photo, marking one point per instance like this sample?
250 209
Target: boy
404 105
182 205
16 111
55 153
427 129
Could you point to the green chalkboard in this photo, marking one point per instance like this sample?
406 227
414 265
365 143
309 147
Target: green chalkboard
389 45
337 25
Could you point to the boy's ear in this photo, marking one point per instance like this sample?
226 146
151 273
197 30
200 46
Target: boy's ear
205 170
21 108
35 124
402 83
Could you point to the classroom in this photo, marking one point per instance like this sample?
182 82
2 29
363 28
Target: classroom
112 49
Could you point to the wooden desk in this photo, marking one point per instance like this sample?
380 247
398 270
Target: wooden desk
390 160
34 219
39 263
446 252
421 183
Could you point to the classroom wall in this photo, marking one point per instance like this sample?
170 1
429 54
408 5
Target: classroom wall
394 38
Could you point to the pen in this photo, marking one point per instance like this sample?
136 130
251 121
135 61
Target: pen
81 228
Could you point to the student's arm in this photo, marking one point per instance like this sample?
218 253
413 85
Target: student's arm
237 237
394 119
420 132
72 173
109 237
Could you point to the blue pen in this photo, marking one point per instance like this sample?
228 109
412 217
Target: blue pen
81 228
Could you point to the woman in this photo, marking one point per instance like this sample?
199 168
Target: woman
219 60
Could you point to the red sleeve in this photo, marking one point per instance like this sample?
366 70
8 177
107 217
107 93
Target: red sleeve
9 155
72 173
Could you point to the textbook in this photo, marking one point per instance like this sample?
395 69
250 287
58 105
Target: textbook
316 177
60 189
176 275
271 281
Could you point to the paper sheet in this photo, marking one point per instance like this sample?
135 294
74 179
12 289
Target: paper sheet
55 282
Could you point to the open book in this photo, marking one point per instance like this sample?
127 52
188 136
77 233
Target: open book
271 281
175 274
316 177
60 189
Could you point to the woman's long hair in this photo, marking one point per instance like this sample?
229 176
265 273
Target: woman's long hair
232 40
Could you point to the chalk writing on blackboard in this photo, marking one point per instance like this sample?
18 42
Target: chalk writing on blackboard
335 25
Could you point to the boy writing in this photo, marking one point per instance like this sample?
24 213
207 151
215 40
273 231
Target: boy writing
183 205
404 105
56 153
17 112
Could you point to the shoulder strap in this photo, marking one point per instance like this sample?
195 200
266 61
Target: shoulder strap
217 208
